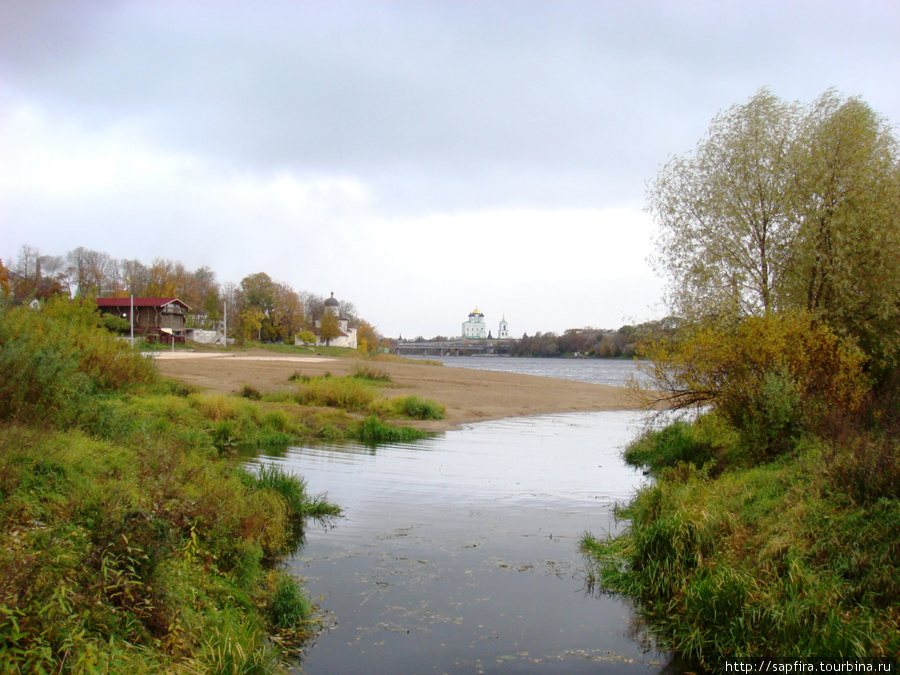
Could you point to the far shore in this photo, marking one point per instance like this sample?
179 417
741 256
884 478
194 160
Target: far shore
469 395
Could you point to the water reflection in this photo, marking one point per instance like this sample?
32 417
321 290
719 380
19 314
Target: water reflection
458 554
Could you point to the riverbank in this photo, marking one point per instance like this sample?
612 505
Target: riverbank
726 558
468 395
130 538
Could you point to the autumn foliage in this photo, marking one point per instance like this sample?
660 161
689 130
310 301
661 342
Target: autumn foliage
772 376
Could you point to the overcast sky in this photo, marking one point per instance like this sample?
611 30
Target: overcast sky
419 159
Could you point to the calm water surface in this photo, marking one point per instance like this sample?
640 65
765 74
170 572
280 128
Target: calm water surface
459 554
604 371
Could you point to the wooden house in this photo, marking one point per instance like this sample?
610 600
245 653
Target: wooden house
155 319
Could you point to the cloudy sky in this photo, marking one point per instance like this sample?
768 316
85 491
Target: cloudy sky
417 158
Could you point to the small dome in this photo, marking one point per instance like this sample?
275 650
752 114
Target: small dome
331 302
475 312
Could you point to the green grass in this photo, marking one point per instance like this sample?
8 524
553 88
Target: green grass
127 542
136 555
131 539
347 393
778 558
374 430
416 407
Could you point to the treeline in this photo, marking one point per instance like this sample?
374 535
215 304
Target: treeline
258 307
591 342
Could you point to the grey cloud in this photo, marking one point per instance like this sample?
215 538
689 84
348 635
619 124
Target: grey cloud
436 104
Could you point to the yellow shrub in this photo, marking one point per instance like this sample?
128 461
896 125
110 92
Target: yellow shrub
783 371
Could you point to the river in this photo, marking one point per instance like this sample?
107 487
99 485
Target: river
459 553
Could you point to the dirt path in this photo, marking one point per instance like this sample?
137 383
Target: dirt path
469 395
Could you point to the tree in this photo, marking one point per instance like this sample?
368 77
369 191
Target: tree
287 314
4 281
250 320
329 328
725 225
787 207
163 279
846 264
260 293
94 273
201 293
313 308
135 278
367 339
306 337
38 276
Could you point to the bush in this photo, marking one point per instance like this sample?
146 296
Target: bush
53 358
251 392
419 408
772 377
373 430
667 448
366 371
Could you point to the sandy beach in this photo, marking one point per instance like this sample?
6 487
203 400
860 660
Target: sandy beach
469 395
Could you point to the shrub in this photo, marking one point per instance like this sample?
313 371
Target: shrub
251 392
419 408
373 430
667 448
772 377
366 371
54 357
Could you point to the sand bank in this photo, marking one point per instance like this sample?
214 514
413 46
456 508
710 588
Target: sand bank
469 395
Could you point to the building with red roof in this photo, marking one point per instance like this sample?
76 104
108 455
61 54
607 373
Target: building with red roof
156 319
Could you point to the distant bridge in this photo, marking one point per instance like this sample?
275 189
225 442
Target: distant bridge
461 347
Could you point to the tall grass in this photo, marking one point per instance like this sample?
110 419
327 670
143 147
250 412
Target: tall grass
416 407
55 358
373 430
126 544
772 559
345 392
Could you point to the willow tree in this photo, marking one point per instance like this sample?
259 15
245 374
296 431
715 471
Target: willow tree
783 206
845 266
726 229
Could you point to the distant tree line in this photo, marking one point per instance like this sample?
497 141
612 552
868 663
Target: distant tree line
591 342
258 307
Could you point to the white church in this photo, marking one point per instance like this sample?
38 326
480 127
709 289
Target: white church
347 338
475 328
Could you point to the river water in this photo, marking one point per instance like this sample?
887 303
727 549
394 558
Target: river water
459 553
604 371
